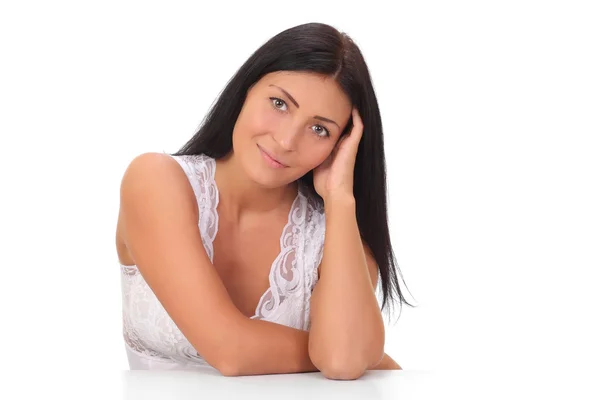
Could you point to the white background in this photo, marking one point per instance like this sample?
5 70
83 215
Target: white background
491 115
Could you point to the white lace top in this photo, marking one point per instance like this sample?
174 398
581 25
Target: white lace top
153 341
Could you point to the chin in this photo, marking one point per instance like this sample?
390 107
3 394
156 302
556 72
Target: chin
264 176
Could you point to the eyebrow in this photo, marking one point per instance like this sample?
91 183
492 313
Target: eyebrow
297 105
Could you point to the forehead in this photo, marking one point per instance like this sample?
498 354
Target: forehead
312 91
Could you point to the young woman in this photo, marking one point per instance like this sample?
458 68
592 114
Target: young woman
258 246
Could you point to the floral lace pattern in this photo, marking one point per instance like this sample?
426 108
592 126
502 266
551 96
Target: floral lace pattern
151 335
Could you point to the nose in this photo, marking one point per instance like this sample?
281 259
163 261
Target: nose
287 138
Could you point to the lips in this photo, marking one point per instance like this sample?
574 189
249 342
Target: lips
269 154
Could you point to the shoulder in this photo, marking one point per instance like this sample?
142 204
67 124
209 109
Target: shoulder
152 167
157 176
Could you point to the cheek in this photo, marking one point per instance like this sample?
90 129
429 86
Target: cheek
316 155
267 120
260 120
253 120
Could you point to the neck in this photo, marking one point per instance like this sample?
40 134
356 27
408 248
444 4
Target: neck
240 197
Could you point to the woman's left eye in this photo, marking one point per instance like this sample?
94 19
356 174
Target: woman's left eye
323 129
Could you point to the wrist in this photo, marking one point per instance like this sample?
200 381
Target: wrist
339 198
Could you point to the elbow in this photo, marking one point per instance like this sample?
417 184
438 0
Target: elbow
342 365
341 369
228 365
231 362
229 350
338 366
228 370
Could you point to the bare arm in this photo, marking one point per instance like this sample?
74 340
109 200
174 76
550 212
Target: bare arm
160 227
270 348
159 213
347 331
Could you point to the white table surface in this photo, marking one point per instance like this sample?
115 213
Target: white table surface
101 383
397 384
149 385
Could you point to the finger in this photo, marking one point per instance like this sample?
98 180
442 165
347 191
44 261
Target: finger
335 149
356 119
357 128
340 143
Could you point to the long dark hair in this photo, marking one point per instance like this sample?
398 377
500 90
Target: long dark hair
321 49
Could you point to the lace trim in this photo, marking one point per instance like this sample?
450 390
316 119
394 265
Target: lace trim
200 170
203 170
315 232
154 357
147 327
293 273
288 269
284 276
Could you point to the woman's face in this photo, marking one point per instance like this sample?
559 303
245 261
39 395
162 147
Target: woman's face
296 117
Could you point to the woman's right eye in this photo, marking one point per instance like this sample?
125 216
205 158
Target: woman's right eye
276 102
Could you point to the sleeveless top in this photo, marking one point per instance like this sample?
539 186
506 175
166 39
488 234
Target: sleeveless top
153 340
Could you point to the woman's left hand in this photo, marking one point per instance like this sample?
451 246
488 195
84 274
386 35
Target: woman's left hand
335 176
